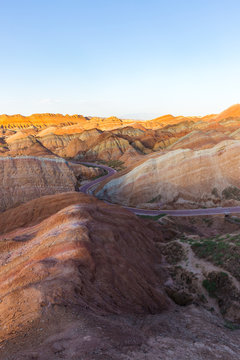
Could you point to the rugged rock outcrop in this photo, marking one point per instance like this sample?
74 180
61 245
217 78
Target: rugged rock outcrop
22 143
55 143
108 147
84 172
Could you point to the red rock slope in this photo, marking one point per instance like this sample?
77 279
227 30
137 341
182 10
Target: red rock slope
87 256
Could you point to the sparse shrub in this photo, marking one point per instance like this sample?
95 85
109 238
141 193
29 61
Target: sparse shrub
231 192
210 286
231 326
155 199
208 221
116 164
215 192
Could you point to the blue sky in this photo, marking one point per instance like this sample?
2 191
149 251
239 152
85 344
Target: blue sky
125 58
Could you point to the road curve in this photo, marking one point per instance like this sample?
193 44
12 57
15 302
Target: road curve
185 212
86 187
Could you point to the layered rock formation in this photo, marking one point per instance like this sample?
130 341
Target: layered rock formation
108 147
44 120
87 256
199 139
26 178
181 177
84 172
231 112
83 279
130 143
112 138
38 120
22 143
36 210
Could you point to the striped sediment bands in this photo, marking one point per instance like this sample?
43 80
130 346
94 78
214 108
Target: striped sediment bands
26 178
80 256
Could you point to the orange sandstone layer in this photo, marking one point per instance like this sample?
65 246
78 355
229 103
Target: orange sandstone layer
44 120
86 123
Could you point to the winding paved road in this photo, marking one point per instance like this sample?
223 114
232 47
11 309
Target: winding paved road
191 212
87 187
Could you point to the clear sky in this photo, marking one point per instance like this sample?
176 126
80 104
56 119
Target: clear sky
141 58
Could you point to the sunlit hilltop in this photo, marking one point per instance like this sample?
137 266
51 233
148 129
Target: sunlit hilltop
89 122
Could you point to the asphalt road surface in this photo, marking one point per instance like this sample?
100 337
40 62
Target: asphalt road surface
185 212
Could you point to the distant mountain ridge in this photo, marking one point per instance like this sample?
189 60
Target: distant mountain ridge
43 120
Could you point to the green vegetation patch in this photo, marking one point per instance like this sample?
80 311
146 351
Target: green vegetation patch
155 199
154 217
221 250
211 249
115 164
220 286
215 282
231 326
210 286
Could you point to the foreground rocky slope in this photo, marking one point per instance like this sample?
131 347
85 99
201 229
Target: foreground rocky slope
85 256
83 279
184 333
